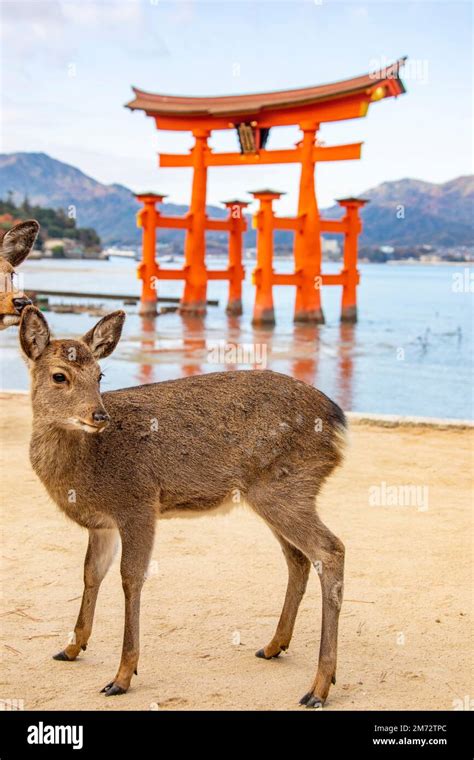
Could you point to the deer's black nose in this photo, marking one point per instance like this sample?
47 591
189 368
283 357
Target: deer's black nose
100 417
20 303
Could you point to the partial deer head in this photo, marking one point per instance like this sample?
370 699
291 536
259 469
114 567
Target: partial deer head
14 248
65 375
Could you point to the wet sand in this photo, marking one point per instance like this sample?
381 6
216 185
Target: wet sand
217 585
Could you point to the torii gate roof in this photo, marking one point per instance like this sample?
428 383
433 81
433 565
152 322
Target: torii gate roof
272 108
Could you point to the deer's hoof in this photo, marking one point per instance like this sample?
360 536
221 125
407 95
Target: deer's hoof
311 700
61 656
261 653
112 689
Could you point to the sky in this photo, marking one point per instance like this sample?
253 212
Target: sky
68 67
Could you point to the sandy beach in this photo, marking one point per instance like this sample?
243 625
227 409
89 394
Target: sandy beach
217 584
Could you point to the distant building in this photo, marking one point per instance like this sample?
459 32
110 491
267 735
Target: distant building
63 248
331 247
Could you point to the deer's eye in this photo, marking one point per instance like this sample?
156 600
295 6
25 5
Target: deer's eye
101 376
58 377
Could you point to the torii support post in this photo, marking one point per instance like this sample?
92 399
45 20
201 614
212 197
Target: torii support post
307 249
236 270
195 289
148 269
263 312
350 272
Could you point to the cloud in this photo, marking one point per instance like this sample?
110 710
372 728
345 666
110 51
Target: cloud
34 29
96 13
14 12
360 11
56 31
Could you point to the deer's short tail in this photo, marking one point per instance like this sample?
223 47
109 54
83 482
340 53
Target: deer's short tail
340 433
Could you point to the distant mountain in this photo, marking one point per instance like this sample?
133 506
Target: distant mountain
47 182
403 212
412 212
109 209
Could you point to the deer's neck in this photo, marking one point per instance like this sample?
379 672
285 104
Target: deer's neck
56 454
64 462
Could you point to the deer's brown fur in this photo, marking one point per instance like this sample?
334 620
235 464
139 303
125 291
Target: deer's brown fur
183 446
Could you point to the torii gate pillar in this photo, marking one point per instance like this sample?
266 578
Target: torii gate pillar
350 272
263 276
307 251
195 289
236 270
147 269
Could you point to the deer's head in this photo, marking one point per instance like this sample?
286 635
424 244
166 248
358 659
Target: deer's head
65 375
14 248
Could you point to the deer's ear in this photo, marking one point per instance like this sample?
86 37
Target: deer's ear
34 332
18 242
105 335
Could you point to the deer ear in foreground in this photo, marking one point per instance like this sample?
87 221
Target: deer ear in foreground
104 336
15 246
18 242
34 333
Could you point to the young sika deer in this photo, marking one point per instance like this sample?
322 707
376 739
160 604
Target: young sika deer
15 246
176 447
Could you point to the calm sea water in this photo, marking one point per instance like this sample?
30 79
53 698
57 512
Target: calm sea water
410 353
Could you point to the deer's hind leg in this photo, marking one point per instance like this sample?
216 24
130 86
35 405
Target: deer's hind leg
288 506
101 549
298 573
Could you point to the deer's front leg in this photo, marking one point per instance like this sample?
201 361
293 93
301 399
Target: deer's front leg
137 544
101 550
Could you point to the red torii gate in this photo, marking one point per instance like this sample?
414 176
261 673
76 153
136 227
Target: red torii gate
252 116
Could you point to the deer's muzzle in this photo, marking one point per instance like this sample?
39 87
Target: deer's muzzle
93 423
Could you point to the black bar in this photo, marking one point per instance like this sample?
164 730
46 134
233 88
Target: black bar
303 732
